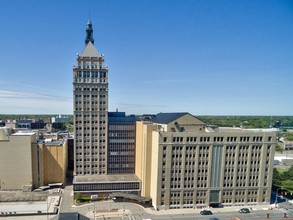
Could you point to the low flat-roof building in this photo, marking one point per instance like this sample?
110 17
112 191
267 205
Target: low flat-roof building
26 162
16 172
106 184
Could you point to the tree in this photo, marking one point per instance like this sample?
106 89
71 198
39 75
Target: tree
279 148
78 197
276 177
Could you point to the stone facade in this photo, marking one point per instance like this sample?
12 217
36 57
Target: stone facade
197 165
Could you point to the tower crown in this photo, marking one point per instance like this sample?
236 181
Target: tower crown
89 37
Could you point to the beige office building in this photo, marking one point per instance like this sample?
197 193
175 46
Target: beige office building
90 94
16 172
27 163
184 163
91 124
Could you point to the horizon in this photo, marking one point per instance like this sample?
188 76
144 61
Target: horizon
28 114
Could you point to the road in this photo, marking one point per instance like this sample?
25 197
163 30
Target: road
131 211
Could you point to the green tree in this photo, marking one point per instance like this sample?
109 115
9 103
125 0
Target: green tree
289 136
276 177
288 175
78 197
279 149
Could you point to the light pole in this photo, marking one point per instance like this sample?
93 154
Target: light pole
276 200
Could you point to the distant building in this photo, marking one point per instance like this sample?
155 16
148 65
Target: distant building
278 124
287 145
24 123
184 163
10 124
60 118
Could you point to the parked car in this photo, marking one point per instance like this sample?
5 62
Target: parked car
244 210
206 212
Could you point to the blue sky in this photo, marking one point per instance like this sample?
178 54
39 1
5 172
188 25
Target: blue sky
203 57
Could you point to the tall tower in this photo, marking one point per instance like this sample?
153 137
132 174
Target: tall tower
90 96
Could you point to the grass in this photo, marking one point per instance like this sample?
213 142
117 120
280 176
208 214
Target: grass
84 199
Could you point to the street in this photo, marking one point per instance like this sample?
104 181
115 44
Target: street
125 210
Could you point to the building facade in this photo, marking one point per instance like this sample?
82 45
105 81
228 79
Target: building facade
50 161
16 158
94 150
184 163
121 143
28 162
90 92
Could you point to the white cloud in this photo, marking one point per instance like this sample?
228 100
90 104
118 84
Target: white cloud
13 102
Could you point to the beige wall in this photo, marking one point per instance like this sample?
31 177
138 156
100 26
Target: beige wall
16 162
26 164
55 163
4 134
143 154
52 161
188 122
200 146
154 162
139 150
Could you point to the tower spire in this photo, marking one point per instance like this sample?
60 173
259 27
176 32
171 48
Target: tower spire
89 37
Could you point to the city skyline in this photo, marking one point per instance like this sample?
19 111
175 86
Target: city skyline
200 57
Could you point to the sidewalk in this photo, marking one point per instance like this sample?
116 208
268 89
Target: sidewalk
152 211
214 210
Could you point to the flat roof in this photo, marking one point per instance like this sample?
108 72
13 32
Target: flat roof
106 178
21 133
55 143
237 129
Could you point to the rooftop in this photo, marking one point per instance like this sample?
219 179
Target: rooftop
106 178
237 129
164 118
23 133
89 51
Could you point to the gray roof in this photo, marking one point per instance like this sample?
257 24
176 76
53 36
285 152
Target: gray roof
165 118
106 178
89 51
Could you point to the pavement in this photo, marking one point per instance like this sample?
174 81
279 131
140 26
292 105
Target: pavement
107 213
121 210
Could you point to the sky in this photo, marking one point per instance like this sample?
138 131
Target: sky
205 57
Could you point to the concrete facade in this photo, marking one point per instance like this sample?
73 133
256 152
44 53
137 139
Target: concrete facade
51 162
195 165
27 163
92 151
90 94
16 172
